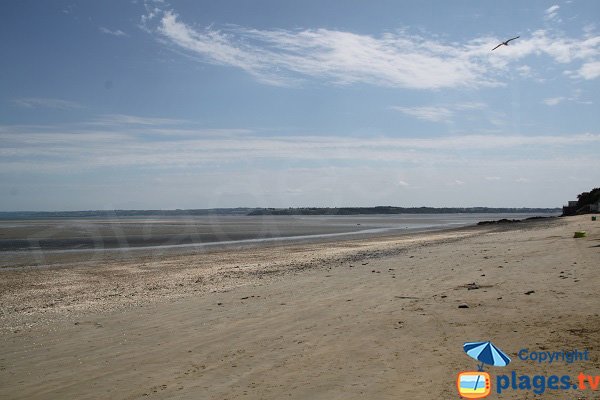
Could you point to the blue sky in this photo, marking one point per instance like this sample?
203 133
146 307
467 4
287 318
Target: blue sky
198 104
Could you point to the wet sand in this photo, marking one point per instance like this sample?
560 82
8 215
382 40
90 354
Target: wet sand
30 238
370 318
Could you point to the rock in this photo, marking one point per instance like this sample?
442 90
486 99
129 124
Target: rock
463 305
530 292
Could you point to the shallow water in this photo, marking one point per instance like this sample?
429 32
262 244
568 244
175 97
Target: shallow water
128 234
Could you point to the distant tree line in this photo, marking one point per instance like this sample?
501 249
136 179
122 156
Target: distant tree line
393 210
246 211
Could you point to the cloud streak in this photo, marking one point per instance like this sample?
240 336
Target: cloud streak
149 162
554 101
283 57
113 32
551 13
427 113
393 59
41 102
124 119
444 113
37 150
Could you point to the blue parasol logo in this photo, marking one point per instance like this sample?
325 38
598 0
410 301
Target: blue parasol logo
476 385
486 353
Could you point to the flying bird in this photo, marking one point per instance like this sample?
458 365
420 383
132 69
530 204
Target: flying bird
505 43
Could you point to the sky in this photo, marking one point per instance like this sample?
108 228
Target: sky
267 103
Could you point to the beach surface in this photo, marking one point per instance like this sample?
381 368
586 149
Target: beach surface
359 318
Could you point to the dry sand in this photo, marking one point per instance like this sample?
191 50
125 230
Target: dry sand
369 319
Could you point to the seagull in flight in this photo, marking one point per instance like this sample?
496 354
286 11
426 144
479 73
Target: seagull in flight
505 43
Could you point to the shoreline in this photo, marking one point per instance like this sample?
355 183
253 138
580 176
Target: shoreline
335 320
225 244
44 255
90 233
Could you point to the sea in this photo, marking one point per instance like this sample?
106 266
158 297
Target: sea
142 233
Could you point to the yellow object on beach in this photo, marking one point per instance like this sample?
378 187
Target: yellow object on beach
579 234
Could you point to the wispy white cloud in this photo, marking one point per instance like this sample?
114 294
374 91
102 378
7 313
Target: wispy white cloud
590 70
147 146
551 13
283 56
119 119
150 163
553 101
472 105
41 102
394 59
113 32
427 113
442 113
560 48
575 96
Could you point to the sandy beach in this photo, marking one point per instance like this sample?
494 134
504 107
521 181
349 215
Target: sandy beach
362 318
